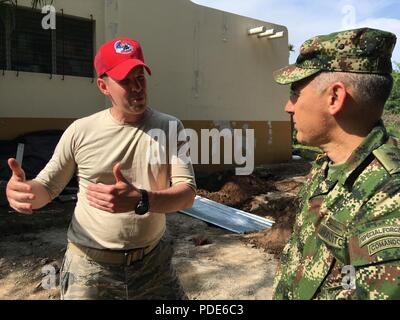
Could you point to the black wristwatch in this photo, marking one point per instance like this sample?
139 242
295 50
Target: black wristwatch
143 205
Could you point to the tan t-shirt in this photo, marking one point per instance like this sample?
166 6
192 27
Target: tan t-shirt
91 147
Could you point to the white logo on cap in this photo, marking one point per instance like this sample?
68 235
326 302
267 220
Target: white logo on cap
123 47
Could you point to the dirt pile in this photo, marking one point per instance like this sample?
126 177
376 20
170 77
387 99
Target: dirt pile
233 191
271 192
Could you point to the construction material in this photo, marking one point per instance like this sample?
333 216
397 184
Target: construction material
231 219
20 153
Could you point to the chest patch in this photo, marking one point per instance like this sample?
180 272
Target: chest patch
377 233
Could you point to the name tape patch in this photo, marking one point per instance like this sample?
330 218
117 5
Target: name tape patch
377 233
382 244
331 237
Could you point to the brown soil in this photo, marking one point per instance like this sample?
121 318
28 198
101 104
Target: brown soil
274 240
236 191
211 262
270 192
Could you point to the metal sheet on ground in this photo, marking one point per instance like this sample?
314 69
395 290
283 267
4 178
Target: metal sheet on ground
232 219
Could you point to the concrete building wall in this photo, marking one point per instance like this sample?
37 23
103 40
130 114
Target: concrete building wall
206 70
32 101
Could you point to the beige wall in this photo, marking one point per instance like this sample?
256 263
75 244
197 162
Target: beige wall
205 65
35 95
271 139
205 68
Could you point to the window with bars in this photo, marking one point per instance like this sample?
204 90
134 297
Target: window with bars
26 46
3 64
30 43
75 46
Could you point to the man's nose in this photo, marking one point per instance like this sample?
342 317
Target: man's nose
289 108
136 85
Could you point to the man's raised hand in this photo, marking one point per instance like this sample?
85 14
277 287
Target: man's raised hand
19 192
117 198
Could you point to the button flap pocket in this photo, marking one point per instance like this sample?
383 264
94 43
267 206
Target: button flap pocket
332 233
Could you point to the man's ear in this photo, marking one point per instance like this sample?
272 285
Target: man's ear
336 95
103 87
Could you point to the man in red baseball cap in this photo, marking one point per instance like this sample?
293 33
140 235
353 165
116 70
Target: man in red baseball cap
117 244
120 68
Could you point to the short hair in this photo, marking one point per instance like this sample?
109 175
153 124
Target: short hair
368 88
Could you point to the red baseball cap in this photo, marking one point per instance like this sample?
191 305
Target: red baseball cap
118 57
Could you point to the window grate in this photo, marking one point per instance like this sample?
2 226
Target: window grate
74 47
3 56
30 43
68 50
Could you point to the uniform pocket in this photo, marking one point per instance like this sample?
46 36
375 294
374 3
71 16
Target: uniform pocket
332 233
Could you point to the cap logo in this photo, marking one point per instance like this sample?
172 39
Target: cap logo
123 47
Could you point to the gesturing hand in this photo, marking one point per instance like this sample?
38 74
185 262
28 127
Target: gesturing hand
119 197
19 193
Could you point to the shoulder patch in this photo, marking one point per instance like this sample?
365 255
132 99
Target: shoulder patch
389 156
380 232
383 244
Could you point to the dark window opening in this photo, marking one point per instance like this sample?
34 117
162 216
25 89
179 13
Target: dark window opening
3 61
75 46
68 50
30 43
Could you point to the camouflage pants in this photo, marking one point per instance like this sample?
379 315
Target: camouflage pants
153 277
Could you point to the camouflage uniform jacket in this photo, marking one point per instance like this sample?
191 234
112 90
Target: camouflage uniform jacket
349 217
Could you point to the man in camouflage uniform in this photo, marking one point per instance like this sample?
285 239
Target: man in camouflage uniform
346 239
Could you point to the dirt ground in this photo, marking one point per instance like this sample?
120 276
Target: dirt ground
212 263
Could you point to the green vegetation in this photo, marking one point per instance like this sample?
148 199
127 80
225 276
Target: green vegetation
391 115
393 130
393 104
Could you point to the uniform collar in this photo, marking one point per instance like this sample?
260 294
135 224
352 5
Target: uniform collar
377 137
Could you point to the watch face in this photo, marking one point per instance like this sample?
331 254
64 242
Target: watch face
141 208
143 204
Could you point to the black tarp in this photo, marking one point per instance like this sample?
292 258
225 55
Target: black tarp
38 150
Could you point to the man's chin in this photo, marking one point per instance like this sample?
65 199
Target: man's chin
140 108
300 139
306 142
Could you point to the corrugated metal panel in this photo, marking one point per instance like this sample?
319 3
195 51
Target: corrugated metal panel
226 217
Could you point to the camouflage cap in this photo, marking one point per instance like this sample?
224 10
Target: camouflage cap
362 50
